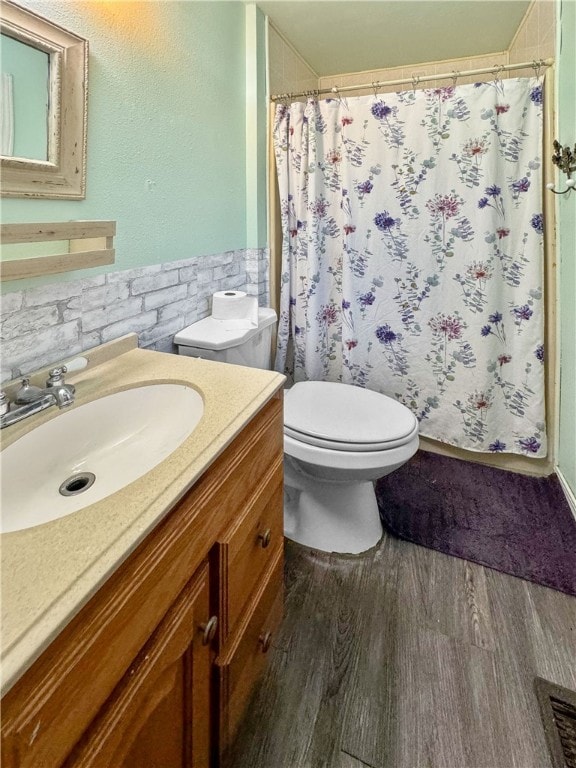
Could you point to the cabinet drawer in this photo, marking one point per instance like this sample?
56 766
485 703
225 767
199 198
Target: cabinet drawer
244 658
247 548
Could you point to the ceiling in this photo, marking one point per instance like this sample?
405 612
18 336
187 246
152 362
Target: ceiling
335 36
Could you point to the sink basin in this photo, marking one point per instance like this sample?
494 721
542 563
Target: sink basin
85 454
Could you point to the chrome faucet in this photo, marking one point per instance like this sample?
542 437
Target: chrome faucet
30 399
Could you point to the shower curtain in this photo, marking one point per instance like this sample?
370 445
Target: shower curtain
412 256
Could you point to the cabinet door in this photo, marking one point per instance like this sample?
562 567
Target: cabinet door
158 716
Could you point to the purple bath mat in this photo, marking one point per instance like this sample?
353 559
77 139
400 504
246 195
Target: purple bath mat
513 523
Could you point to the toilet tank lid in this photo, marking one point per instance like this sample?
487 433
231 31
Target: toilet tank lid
211 334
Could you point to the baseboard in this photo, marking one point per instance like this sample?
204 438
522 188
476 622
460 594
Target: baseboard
570 497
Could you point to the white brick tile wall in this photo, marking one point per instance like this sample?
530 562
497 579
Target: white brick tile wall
52 323
164 330
73 305
31 351
11 302
49 294
131 274
188 274
29 320
181 264
89 340
137 324
118 310
165 296
150 283
104 295
93 282
204 308
182 309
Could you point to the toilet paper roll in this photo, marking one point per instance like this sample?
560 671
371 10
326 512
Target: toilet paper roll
228 305
235 309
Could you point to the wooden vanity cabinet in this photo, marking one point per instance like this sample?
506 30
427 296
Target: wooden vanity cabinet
141 677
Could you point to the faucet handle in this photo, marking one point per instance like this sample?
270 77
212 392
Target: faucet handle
77 364
56 375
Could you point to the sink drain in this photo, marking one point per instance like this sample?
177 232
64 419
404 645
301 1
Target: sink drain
76 484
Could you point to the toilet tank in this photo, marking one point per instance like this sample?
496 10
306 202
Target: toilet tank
211 340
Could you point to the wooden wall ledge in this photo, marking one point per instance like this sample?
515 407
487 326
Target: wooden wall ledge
91 244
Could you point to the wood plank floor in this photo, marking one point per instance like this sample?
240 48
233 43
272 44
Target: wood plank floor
404 657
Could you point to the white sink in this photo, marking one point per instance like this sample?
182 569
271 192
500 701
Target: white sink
110 442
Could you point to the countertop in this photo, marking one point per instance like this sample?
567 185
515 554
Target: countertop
50 571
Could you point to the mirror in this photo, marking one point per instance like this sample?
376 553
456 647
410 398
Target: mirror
25 100
42 108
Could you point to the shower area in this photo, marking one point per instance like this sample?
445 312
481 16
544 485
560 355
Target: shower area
411 247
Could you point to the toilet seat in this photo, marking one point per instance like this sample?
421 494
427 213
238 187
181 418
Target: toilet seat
336 445
343 417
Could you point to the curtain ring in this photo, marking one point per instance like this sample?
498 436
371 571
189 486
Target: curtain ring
497 72
537 67
335 90
455 76
375 86
415 81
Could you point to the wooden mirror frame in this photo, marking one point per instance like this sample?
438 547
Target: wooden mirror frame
63 174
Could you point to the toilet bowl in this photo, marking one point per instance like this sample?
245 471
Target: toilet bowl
338 439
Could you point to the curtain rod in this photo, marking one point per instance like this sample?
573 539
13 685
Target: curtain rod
415 80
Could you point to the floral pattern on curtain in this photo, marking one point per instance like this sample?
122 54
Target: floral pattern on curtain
413 255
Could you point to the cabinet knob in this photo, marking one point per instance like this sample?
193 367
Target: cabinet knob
265 639
265 537
209 630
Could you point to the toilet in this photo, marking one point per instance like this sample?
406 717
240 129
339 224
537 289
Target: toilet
338 439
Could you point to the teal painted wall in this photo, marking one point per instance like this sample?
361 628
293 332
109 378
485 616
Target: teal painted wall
567 244
29 69
166 129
